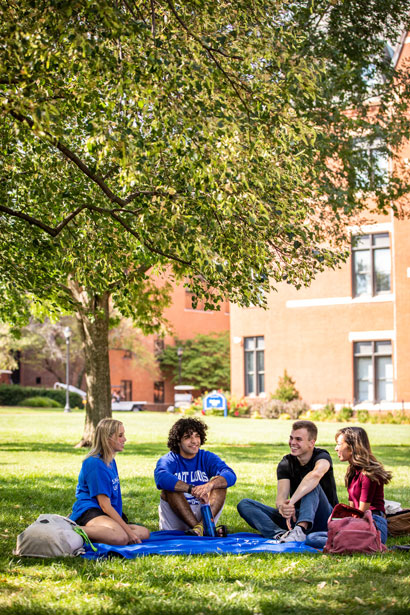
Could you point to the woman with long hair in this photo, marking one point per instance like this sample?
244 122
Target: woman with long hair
365 476
98 506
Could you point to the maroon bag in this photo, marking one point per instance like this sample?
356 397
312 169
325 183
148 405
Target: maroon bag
343 510
353 535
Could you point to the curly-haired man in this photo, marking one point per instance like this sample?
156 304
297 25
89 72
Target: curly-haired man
187 476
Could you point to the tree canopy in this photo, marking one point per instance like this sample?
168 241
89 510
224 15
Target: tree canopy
204 362
213 140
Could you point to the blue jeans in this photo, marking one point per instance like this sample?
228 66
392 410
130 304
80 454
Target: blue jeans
314 508
319 539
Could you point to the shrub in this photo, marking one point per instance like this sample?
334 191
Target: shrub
275 408
344 414
268 408
286 390
327 413
363 416
39 402
401 418
12 394
285 417
238 407
295 408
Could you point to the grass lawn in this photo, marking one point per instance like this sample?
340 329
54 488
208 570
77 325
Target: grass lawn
39 469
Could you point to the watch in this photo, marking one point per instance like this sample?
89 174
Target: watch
190 487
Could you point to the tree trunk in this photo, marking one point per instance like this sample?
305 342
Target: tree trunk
93 323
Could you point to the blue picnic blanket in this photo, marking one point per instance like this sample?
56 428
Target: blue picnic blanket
178 543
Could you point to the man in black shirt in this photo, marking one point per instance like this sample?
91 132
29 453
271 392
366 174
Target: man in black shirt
306 492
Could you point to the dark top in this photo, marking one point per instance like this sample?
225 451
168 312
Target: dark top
291 469
362 489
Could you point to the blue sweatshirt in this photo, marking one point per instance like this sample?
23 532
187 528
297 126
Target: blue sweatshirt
172 467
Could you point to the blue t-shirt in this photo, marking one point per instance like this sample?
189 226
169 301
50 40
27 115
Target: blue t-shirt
96 478
172 467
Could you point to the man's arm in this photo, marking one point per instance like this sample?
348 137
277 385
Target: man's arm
202 491
310 481
282 493
164 475
216 467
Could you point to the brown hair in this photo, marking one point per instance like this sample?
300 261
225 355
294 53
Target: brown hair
182 427
309 426
106 429
362 457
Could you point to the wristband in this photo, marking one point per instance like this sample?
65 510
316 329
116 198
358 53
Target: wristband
190 487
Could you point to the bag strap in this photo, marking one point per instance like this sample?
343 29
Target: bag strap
84 536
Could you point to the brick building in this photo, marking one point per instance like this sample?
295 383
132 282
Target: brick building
141 383
136 376
346 338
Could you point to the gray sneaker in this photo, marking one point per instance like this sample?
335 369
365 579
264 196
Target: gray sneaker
279 535
295 535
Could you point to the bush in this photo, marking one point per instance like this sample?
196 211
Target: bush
275 408
286 390
39 402
268 408
295 408
13 394
363 416
238 407
344 414
327 413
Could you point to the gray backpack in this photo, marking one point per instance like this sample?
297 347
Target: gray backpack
50 536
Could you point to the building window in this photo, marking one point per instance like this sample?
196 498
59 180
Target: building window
127 354
159 392
38 379
126 390
372 163
373 369
254 348
371 264
188 302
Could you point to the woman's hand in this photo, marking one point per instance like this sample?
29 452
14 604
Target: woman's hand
133 538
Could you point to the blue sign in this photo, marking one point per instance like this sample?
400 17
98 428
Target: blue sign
215 400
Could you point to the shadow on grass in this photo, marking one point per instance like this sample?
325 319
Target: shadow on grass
263 584
256 453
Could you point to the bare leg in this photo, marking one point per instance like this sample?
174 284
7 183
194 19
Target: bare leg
140 531
182 509
217 500
106 530
180 506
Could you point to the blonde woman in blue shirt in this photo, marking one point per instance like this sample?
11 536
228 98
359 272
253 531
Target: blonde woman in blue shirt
98 506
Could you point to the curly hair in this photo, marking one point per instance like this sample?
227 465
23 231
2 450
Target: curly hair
185 427
362 457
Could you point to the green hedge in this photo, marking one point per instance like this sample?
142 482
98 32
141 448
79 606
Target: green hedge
40 402
13 394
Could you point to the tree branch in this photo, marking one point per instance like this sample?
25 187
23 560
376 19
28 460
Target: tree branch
75 159
53 231
194 36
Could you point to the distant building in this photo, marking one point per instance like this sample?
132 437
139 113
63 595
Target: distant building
133 381
346 338
139 377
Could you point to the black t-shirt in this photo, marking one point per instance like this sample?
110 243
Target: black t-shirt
291 469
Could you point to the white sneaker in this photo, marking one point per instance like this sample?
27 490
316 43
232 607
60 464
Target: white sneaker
295 535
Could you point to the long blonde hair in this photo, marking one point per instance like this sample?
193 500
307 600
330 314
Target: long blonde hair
106 429
362 457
